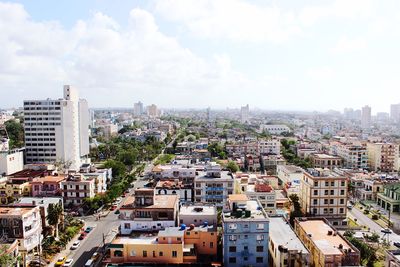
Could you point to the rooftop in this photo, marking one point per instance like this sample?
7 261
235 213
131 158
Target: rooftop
324 237
246 210
47 179
160 202
282 234
327 173
225 176
291 168
197 210
324 156
14 211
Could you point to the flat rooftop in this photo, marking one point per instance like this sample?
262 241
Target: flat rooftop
325 156
14 211
327 244
282 234
256 212
291 168
198 210
324 173
160 202
225 176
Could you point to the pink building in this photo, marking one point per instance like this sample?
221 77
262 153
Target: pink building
47 186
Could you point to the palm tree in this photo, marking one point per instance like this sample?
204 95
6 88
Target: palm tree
54 213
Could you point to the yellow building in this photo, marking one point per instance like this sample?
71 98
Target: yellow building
9 192
174 245
327 247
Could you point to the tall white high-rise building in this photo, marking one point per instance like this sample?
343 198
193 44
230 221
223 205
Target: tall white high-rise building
138 109
395 113
366 116
57 129
244 114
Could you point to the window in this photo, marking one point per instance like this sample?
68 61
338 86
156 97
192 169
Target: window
343 183
332 192
331 201
316 183
211 244
154 254
325 201
331 210
246 248
144 254
325 211
232 238
342 192
260 226
246 226
232 226
204 244
127 225
232 249
326 192
341 210
174 254
315 211
333 183
341 201
245 258
232 259
260 249
133 253
160 254
315 201
260 237
259 259
326 183
315 192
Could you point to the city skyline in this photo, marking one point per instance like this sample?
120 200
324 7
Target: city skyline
338 52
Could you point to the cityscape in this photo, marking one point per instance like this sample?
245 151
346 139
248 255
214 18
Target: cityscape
180 133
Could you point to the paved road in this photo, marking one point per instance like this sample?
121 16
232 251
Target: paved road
374 227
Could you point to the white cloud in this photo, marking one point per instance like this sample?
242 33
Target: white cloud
107 61
231 19
321 73
345 45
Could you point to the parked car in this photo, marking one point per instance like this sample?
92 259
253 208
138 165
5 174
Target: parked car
68 263
396 244
113 207
88 229
60 261
386 231
117 212
75 245
82 236
95 256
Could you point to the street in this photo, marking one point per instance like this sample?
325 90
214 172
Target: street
362 219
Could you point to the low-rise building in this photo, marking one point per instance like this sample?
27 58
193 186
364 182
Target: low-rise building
324 194
325 161
11 161
275 129
174 245
245 232
383 157
285 248
167 172
198 214
213 185
23 224
327 246
389 199
46 186
10 191
392 258
146 211
290 174
76 187
175 187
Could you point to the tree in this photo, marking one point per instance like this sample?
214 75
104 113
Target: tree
296 211
232 166
118 168
15 132
54 213
6 259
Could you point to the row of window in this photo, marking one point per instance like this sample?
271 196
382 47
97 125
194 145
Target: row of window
40 139
245 258
38 103
332 193
39 129
329 201
40 144
41 119
40 134
330 211
42 108
332 183
42 124
246 248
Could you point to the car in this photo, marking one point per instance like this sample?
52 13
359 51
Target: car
113 207
386 231
117 212
396 244
95 256
349 207
88 229
75 245
60 261
82 236
68 263
118 200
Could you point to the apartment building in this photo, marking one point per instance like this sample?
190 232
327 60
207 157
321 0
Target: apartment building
245 233
173 245
182 173
275 129
22 223
57 129
76 187
213 185
107 131
138 109
392 257
289 174
243 148
198 214
354 156
325 161
285 247
10 191
264 194
326 245
102 177
11 161
383 157
47 186
389 199
244 114
271 163
146 211
270 147
323 193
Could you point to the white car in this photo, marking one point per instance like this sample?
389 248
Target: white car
68 263
75 245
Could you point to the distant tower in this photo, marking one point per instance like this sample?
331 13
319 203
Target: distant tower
152 111
244 114
395 113
208 114
138 109
366 117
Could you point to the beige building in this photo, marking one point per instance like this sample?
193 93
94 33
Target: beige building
76 188
323 193
383 157
327 247
325 161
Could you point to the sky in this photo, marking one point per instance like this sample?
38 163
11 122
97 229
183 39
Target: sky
273 55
